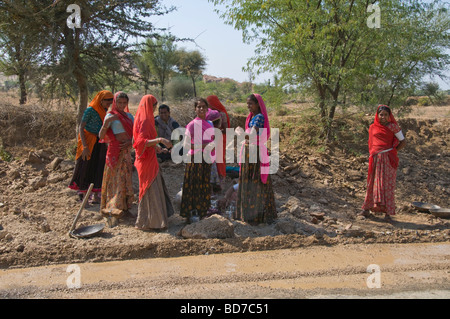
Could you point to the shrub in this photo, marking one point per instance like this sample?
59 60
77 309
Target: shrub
424 101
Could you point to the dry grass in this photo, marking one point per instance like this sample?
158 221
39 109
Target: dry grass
35 125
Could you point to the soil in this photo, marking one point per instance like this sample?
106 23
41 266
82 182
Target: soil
318 193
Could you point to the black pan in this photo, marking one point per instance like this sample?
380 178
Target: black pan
86 231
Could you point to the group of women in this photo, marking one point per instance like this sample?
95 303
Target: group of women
104 158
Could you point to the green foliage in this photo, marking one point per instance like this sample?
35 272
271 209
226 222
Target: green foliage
180 88
327 47
424 101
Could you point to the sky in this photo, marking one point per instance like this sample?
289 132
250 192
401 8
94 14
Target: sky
221 44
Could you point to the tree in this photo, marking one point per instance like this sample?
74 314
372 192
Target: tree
192 64
19 50
159 55
77 53
329 44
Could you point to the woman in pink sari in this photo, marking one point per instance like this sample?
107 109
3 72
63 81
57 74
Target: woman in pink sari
256 201
196 193
117 188
385 139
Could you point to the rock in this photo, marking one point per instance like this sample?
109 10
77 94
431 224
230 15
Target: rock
13 174
286 226
292 226
55 178
293 206
67 166
215 226
38 182
5 235
406 170
44 227
33 158
353 231
323 200
16 210
54 165
317 215
20 248
353 175
44 154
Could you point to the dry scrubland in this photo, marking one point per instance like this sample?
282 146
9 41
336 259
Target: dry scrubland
318 189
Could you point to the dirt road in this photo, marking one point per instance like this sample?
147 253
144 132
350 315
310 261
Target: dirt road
397 271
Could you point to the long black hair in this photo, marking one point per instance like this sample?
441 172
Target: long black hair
384 108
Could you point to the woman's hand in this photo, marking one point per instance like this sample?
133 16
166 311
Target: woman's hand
85 154
166 142
125 145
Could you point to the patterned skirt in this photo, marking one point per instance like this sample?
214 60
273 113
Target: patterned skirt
117 188
380 196
196 193
255 200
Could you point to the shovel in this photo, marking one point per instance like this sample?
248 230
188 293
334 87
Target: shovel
87 231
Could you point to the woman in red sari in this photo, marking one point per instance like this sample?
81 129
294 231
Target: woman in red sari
155 206
385 139
117 132
215 104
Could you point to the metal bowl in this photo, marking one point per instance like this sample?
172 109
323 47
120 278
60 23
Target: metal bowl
424 207
441 212
88 231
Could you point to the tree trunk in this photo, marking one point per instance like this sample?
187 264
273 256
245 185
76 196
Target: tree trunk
331 118
195 88
21 75
23 88
81 80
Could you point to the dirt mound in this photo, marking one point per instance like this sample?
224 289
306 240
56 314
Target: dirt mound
318 191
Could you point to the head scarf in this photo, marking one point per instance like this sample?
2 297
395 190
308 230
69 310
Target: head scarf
262 139
91 138
212 115
143 130
215 104
381 138
113 153
96 102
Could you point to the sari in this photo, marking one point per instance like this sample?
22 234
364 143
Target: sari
154 202
383 164
91 170
256 200
117 189
215 104
196 192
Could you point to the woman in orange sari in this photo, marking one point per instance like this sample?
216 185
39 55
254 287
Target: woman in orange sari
155 206
385 139
91 155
